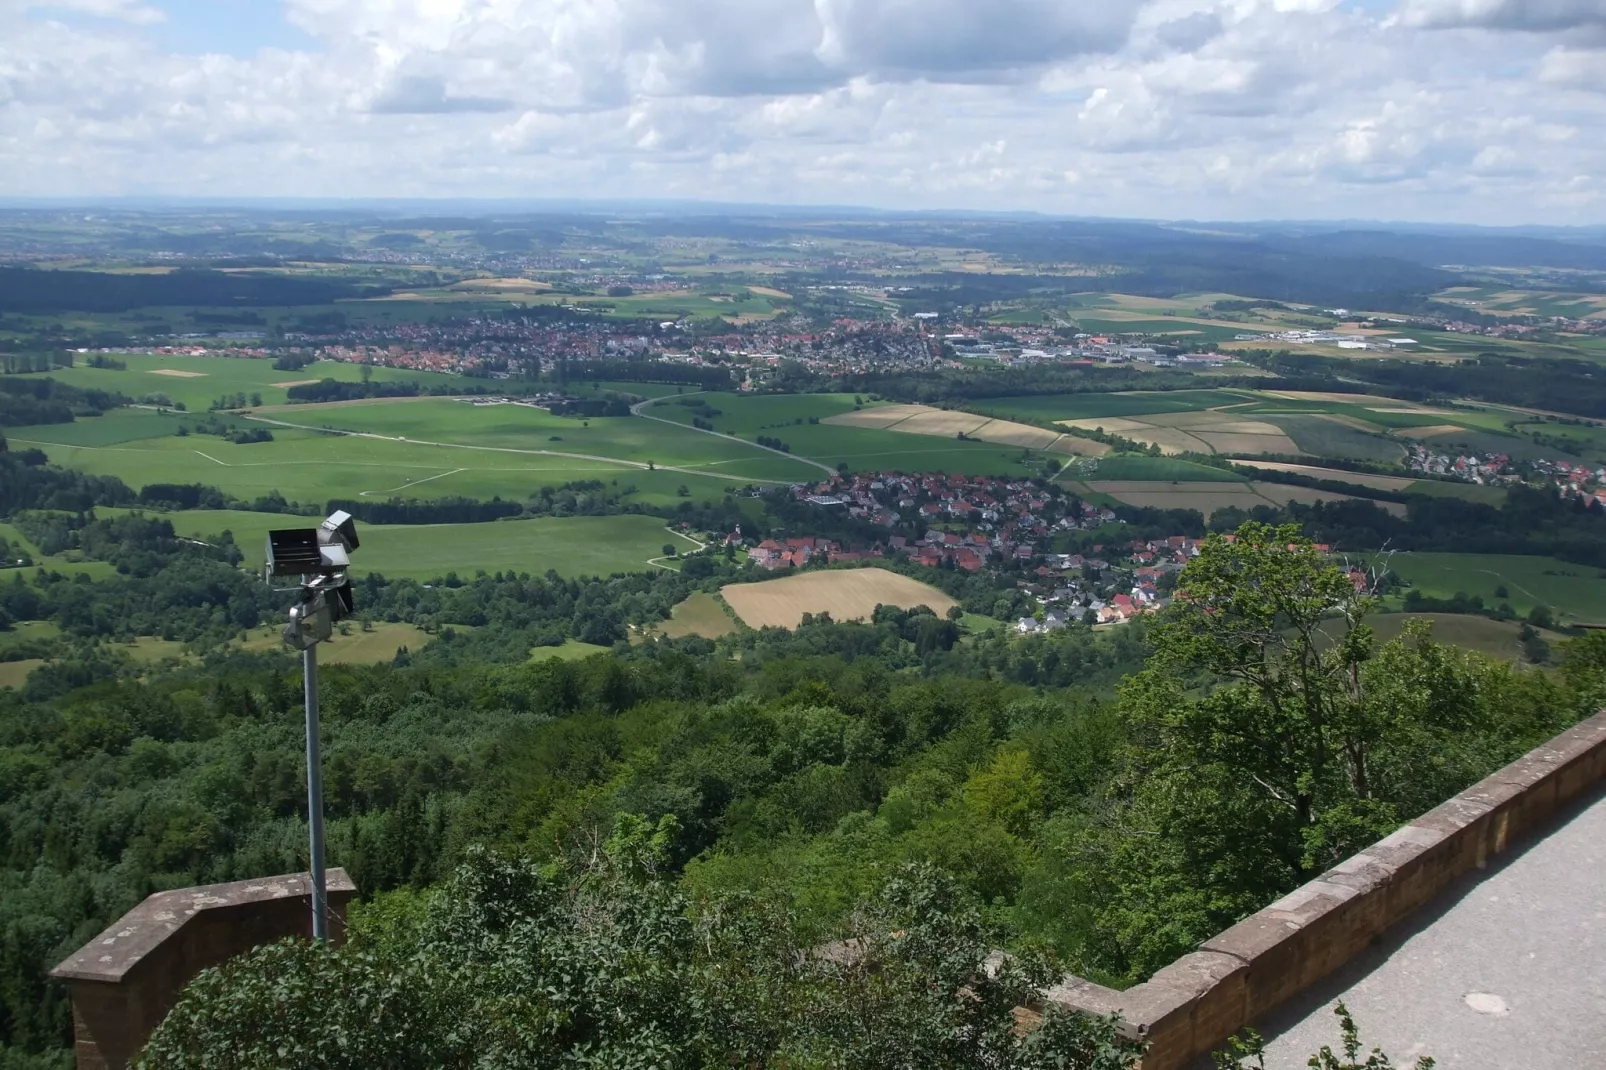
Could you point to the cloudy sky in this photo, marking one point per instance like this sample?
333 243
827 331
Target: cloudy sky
1479 111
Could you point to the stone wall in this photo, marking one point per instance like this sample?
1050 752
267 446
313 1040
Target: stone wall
1233 980
126 979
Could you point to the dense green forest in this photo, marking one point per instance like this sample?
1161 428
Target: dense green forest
1085 799
29 290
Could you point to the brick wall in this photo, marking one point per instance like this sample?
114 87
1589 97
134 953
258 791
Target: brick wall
1234 979
125 980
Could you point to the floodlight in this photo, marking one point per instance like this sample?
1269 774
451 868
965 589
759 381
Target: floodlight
339 526
293 552
320 556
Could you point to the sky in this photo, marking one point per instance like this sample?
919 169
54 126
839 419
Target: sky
1469 111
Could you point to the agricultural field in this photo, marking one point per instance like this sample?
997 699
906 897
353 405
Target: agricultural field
1132 466
197 381
949 424
700 615
1206 431
1324 436
1576 593
850 594
1359 479
862 449
478 451
1497 639
574 546
1208 497
1498 301
486 425
1053 408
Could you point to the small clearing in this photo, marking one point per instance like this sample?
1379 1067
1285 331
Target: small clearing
177 373
849 594
700 615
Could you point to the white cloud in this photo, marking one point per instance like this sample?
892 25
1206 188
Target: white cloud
121 10
1538 16
1202 108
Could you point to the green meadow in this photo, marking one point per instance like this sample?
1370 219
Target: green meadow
524 428
862 449
508 451
206 378
1573 592
573 546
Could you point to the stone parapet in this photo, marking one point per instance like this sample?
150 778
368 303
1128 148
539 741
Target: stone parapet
125 980
1193 1005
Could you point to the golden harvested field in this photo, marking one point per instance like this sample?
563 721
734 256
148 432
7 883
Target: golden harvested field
770 291
1432 431
501 286
701 614
852 594
940 423
1075 446
943 423
1009 433
1202 431
1360 479
1371 401
1115 425
881 416
296 382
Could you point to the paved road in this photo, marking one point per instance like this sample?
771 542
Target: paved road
1506 972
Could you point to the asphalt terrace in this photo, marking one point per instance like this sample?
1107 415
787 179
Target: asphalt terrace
1504 971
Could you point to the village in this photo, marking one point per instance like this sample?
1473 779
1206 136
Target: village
977 523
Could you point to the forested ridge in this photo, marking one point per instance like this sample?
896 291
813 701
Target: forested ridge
1074 797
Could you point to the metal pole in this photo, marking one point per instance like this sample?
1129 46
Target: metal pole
320 895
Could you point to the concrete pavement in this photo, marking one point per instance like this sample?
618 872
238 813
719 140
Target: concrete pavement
1506 971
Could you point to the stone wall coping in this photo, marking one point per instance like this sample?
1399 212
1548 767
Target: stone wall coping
1197 1002
126 942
